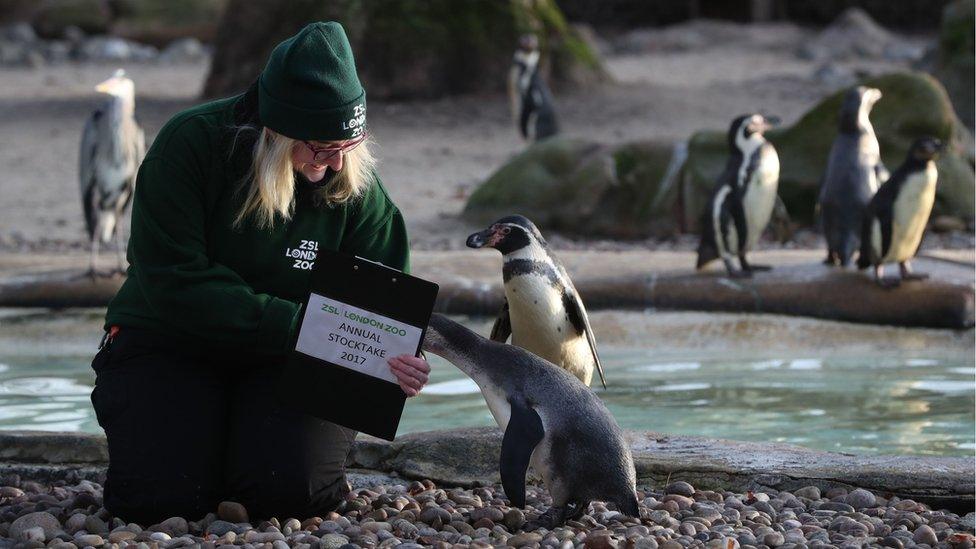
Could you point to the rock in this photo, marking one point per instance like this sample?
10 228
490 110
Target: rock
95 525
52 18
925 534
681 488
75 522
231 511
836 506
398 46
20 33
334 541
175 526
956 61
578 187
774 539
183 50
42 519
834 76
89 539
523 539
968 521
102 48
432 513
600 539
221 527
861 498
853 34
514 519
914 104
35 534
120 536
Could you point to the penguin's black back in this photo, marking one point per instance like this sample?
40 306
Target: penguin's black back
881 207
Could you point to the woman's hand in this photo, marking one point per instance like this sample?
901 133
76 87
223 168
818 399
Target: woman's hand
411 372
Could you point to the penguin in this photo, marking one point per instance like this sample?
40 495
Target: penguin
551 421
542 311
531 101
743 198
895 219
854 173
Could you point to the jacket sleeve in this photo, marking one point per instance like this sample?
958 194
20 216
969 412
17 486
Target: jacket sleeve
184 288
375 230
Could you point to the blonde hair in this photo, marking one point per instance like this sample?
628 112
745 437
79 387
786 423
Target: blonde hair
271 189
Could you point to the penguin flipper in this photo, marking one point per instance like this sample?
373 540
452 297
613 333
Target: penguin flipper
738 214
502 329
523 434
881 172
578 317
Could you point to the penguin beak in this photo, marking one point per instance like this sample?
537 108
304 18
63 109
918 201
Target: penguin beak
770 122
480 239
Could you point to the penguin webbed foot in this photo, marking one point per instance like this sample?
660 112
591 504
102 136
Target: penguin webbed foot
907 274
557 515
758 267
733 273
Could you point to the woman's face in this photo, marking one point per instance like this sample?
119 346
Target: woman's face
303 158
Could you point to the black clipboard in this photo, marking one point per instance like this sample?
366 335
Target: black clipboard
338 393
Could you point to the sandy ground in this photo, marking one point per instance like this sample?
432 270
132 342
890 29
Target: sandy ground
432 154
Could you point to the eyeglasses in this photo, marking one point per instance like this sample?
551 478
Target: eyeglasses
321 154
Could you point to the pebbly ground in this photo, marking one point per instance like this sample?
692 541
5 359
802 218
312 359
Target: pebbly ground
417 514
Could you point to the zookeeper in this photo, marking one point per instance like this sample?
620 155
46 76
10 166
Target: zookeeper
232 202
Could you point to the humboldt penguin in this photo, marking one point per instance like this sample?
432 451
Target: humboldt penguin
895 219
542 310
854 173
530 98
743 198
551 421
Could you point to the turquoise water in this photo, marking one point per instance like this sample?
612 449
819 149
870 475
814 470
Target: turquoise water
918 402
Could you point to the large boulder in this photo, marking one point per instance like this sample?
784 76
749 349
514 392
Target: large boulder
578 187
406 50
955 65
914 105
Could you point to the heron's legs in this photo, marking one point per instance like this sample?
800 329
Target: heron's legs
94 256
119 248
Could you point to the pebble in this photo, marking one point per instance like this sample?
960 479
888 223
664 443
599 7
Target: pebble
231 511
89 539
681 488
860 498
41 519
925 534
174 526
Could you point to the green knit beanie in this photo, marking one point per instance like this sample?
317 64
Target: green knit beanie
309 90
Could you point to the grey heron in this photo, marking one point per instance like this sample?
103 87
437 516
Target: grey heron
112 147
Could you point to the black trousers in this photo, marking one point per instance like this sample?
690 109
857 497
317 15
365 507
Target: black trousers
187 430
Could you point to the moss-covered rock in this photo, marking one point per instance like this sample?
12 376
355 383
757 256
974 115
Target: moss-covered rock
578 187
405 50
914 105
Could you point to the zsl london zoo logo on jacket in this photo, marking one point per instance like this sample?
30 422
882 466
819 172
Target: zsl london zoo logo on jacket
304 255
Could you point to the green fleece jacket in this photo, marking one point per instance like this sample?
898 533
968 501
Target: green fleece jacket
193 276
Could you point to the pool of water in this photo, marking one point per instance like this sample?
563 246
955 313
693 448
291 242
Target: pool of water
862 400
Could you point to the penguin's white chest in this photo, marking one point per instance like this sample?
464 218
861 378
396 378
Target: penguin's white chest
541 326
910 213
760 196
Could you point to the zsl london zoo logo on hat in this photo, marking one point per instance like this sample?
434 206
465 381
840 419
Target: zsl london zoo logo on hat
357 123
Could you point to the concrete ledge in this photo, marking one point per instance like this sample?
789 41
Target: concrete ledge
463 457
